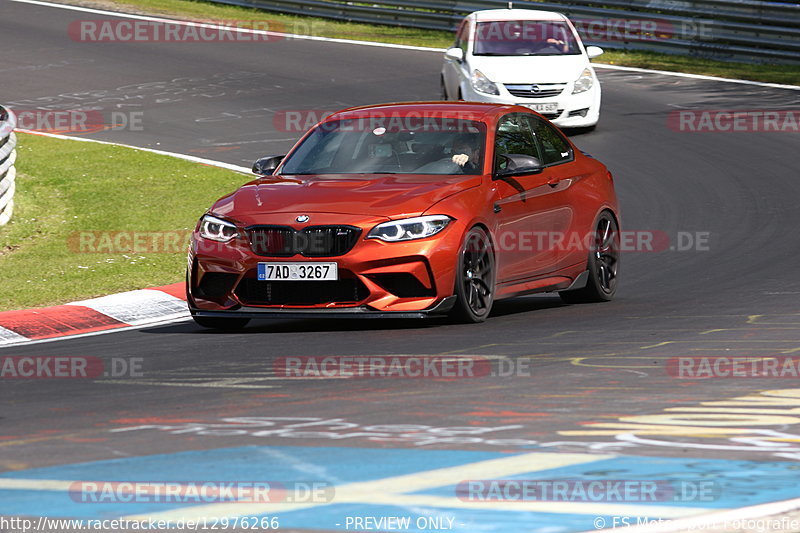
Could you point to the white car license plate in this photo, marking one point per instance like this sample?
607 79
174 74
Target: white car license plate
297 271
544 108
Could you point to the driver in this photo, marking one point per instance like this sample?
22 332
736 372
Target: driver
466 153
559 40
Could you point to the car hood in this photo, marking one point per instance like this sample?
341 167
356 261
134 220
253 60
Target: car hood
530 69
390 196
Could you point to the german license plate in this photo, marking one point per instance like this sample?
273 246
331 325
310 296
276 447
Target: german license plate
297 271
544 108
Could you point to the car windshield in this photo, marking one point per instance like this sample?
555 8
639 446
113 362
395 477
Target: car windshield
524 38
391 145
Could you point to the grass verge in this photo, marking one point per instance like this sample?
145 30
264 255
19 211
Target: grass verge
200 10
68 190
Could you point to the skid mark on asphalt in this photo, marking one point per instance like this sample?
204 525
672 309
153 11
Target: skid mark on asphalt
398 482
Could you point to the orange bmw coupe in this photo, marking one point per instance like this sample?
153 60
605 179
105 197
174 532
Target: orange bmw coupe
409 211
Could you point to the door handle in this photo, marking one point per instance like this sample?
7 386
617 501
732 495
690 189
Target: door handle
553 182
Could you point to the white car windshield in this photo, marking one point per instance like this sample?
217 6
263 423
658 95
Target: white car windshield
524 38
391 145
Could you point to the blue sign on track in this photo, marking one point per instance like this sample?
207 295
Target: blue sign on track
416 487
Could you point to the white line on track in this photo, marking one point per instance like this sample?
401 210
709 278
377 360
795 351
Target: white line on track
374 44
191 158
695 76
227 28
7 337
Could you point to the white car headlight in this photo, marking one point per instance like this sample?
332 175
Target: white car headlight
482 84
409 228
217 229
584 83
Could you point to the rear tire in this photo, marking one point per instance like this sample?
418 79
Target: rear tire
603 265
226 324
475 278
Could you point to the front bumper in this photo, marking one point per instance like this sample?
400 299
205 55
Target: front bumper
409 279
440 309
574 110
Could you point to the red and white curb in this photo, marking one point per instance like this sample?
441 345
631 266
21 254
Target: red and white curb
130 309
124 310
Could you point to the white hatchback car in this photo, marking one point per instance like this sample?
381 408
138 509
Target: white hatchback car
526 57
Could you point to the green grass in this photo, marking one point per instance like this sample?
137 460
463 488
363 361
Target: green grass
200 10
68 187
206 11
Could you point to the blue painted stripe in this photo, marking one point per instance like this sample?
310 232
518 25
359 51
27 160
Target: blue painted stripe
736 483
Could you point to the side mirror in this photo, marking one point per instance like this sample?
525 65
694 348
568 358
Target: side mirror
455 53
594 51
267 165
517 165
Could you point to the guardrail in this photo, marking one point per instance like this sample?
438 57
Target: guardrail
728 30
8 155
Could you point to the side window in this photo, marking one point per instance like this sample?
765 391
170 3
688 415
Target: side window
555 149
461 36
514 136
465 37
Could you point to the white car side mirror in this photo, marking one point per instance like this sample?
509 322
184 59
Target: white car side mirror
594 51
455 53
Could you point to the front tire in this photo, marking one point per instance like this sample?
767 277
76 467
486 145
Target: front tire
225 324
443 89
475 278
603 265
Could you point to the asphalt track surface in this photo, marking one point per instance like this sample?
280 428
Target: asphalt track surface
582 364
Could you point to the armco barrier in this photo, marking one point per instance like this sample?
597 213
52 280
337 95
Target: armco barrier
8 154
731 30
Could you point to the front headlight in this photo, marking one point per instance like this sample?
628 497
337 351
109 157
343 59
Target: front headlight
584 83
216 229
482 84
409 228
